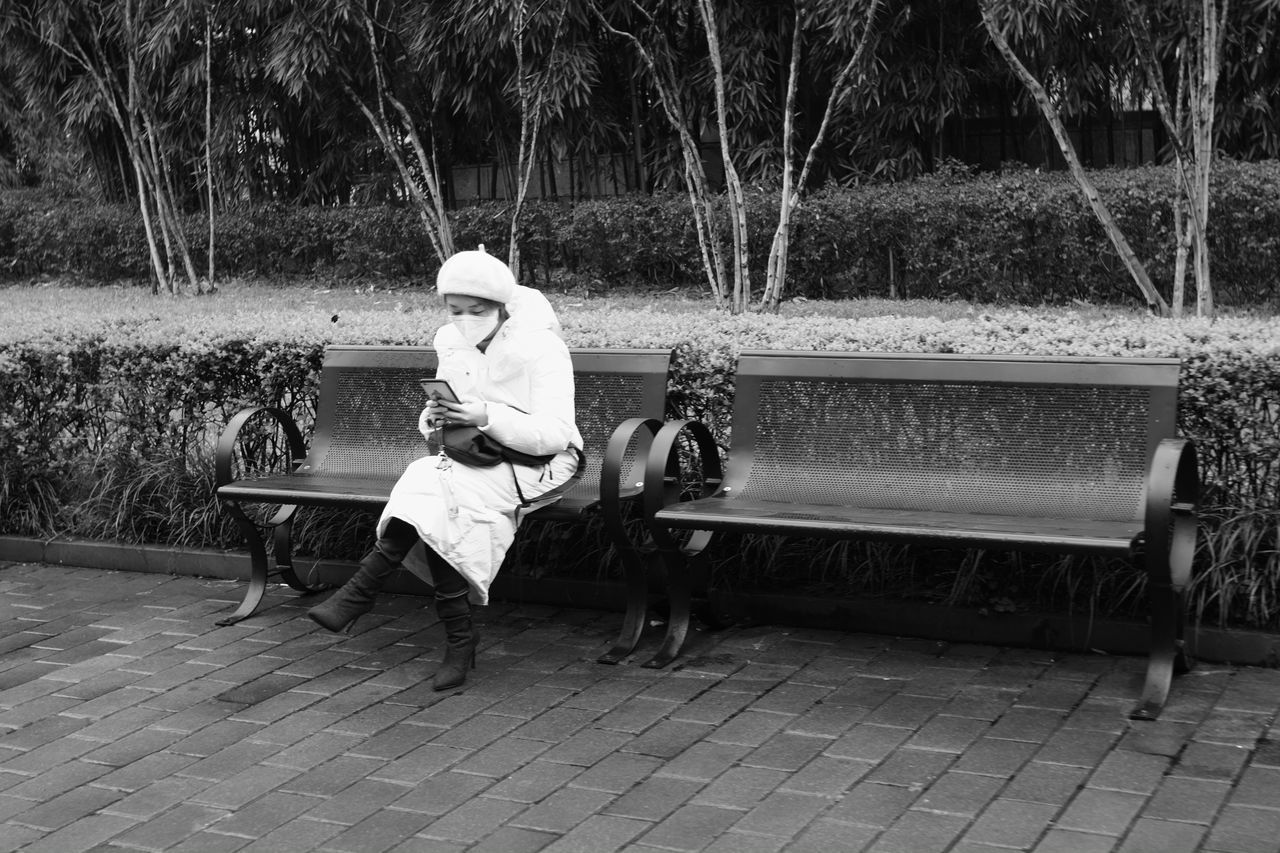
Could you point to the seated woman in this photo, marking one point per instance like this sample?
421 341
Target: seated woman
449 523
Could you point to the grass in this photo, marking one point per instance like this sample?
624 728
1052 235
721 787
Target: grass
50 299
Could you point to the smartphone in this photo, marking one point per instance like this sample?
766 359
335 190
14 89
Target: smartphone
438 389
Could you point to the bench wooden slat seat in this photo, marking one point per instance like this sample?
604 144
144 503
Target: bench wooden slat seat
1070 455
366 433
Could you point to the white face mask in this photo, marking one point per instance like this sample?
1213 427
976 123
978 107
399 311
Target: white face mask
476 327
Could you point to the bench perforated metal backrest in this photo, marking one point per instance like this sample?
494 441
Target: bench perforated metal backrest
370 399
970 434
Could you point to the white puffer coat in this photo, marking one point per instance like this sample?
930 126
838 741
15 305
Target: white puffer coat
469 515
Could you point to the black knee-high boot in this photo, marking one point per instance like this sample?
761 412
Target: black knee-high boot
461 636
355 598
460 640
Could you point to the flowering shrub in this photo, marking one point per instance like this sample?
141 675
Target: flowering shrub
131 395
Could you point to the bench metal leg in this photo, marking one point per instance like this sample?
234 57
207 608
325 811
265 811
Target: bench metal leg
257 567
1168 657
678 599
282 541
637 605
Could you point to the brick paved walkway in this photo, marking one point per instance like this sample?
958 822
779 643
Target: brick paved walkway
129 721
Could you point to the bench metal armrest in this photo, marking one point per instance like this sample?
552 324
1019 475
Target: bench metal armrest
1173 493
1169 544
227 440
664 483
611 469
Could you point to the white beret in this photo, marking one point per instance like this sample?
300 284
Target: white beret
476 273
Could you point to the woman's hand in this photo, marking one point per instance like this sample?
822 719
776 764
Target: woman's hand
464 413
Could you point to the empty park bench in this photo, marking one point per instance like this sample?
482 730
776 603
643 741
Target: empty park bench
1071 455
366 433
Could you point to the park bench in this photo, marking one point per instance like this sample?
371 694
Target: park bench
1064 455
366 433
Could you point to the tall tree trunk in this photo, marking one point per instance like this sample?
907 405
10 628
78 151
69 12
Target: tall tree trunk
732 183
793 191
1155 302
701 201
208 131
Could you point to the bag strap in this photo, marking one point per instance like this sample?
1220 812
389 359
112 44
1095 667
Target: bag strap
555 491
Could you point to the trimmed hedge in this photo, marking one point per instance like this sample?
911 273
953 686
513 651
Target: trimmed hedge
107 423
1021 237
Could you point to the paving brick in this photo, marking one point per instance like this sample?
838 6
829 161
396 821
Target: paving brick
782 814
132 747
1165 836
827 776
1073 841
599 834
1188 800
263 814
1218 761
1039 782
380 831
144 771
563 810
1259 786
300 835
691 828
826 835
654 798
586 747
913 768
56 780
668 739
1102 811
557 724
370 721
157 798
947 733
170 828
441 793
788 697
1035 725
510 839
824 720
213 738
918 832
868 742
741 787
478 732
743 842
333 776
713 707
245 787
964 794
356 802
786 751
1011 823
420 764
872 804
617 773
472 820
749 728
704 761
906 710
1130 771
533 782
66 808
1077 748
636 715
1240 728
84 834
